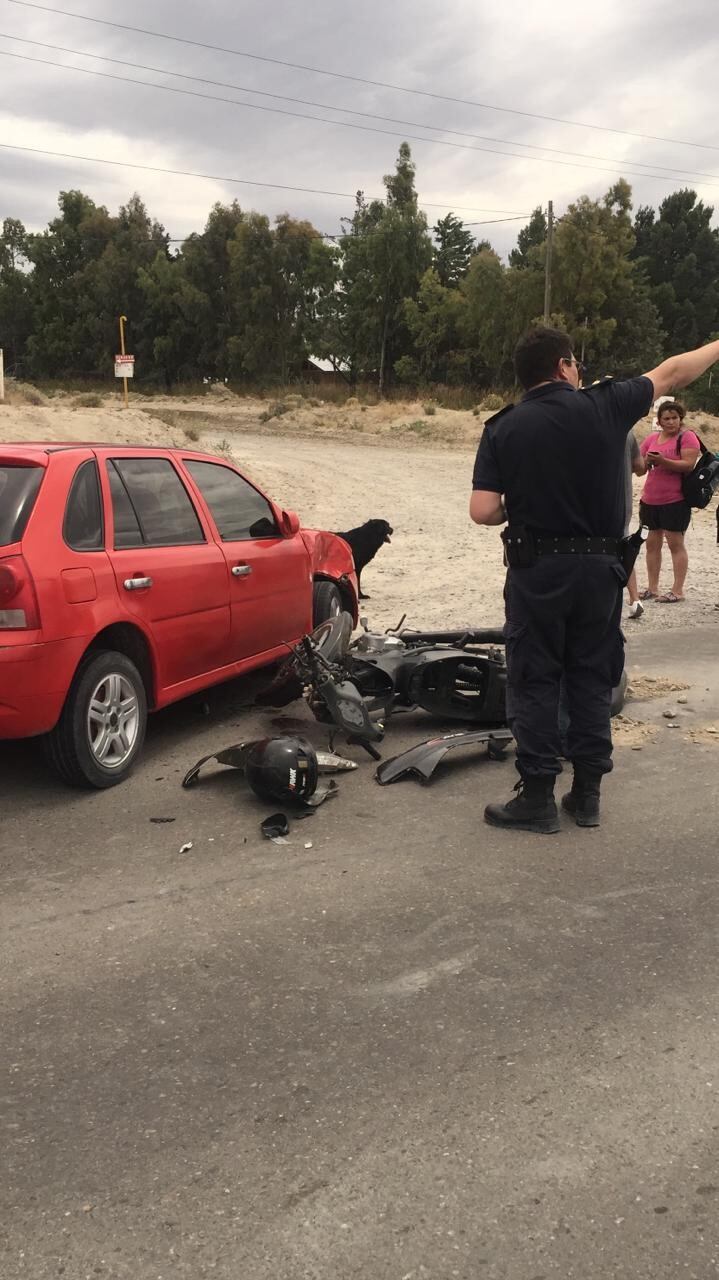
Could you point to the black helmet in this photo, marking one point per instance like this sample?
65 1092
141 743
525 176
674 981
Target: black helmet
283 769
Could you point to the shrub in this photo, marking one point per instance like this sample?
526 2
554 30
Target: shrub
87 401
26 393
192 433
430 409
492 402
275 410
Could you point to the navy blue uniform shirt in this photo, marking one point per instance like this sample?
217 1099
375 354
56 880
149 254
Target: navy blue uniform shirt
558 456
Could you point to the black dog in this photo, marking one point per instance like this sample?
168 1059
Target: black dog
364 543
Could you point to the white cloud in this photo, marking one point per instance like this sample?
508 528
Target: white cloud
648 68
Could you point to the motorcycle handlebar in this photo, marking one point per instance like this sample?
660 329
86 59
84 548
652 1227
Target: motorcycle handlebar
470 635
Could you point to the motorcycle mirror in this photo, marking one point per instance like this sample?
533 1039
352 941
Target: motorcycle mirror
392 631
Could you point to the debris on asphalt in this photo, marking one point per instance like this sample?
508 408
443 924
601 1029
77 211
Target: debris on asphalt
323 791
421 760
275 828
163 819
330 762
308 844
185 848
670 713
234 756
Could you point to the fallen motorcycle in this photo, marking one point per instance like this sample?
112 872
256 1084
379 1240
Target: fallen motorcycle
356 685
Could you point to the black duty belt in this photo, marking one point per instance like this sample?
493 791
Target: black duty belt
578 545
523 548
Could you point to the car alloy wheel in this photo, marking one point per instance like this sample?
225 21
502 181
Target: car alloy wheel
113 721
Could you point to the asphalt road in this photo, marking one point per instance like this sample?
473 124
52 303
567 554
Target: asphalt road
419 1049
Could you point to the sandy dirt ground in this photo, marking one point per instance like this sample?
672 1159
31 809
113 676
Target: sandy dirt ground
340 465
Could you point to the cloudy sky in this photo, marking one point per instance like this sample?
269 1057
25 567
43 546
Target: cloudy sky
647 68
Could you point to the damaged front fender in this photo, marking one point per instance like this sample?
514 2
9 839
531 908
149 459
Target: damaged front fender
331 559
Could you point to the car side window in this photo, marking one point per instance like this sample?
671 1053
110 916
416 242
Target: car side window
238 510
83 524
151 504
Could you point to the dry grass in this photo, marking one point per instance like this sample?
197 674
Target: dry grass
88 400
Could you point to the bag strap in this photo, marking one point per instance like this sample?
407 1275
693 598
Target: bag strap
702 445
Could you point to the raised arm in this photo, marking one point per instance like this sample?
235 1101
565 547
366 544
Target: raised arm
679 371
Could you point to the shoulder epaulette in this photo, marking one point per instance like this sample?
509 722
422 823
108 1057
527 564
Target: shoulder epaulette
600 382
496 416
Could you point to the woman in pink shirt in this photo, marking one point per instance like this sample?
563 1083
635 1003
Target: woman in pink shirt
669 453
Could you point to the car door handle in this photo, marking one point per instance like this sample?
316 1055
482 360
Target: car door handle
241 570
136 584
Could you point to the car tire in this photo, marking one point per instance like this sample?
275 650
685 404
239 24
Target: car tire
326 602
100 733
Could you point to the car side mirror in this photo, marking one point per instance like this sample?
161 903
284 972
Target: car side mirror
290 523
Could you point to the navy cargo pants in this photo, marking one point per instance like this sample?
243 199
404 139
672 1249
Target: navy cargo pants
563 618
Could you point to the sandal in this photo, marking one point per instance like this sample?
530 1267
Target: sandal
646 594
670 598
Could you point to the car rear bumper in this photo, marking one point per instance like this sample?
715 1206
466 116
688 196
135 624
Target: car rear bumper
34 680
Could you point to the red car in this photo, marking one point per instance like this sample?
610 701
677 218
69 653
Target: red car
130 578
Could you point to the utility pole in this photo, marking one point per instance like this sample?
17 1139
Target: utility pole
548 263
122 351
584 337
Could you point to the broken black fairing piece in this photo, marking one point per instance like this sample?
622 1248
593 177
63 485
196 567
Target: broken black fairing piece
234 756
276 825
422 760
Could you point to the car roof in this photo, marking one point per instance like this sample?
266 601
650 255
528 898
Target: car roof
32 449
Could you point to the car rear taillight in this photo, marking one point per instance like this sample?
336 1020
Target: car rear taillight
18 603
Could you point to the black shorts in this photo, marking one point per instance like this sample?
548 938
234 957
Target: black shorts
673 517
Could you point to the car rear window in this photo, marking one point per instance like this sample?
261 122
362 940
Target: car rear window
18 491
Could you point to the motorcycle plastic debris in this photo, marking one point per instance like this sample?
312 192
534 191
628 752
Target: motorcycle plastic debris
422 759
276 827
233 756
163 820
325 791
236 758
329 762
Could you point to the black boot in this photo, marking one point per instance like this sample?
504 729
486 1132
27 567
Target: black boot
582 802
532 809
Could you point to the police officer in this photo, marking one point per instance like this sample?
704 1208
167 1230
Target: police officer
553 467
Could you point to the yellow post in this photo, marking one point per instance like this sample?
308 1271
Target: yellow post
123 320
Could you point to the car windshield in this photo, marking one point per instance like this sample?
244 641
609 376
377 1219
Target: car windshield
18 490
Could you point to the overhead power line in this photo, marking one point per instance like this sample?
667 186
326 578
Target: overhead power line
340 75
322 106
246 182
344 235
347 124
